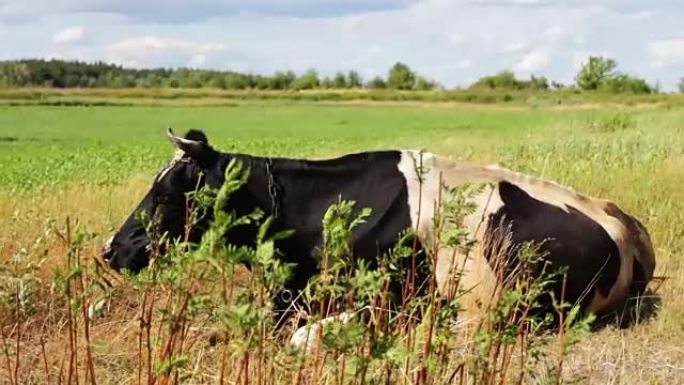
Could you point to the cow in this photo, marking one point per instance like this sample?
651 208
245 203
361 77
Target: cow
606 254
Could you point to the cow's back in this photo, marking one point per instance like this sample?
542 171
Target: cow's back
607 253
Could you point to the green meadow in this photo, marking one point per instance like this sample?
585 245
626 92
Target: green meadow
45 146
92 164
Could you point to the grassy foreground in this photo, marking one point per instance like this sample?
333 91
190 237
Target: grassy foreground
92 165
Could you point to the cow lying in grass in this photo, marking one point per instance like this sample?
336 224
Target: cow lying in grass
605 254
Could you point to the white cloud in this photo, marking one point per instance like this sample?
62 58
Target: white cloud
532 61
457 39
667 53
514 47
137 51
555 32
181 11
151 42
197 60
640 15
71 35
463 64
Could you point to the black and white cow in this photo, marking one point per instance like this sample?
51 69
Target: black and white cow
607 253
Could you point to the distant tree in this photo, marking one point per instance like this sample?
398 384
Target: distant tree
84 81
424 84
340 81
190 79
236 81
538 83
501 80
327 82
307 81
625 83
595 71
377 83
262 82
680 85
219 82
600 73
354 79
123 81
506 80
557 85
71 80
59 73
401 77
282 80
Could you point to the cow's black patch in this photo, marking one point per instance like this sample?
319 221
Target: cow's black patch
308 188
566 240
196 135
305 190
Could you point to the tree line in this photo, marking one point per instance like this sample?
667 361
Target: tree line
598 73
72 74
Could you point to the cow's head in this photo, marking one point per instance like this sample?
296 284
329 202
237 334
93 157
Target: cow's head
165 205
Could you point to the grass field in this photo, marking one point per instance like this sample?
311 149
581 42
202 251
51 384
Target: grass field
92 164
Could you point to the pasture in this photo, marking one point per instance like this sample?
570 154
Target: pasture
92 164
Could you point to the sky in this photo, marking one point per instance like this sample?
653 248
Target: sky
454 42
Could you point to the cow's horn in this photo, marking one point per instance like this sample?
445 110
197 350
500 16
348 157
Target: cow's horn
188 146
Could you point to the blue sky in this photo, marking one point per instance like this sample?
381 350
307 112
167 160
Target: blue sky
454 42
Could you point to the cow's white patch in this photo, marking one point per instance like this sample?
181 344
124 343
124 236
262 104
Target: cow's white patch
422 182
423 172
428 179
178 155
108 244
307 337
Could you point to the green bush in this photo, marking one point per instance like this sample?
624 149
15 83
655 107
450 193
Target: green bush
401 77
309 80
506 80
624 83
599 73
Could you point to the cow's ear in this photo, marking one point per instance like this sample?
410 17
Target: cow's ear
195 144
196 135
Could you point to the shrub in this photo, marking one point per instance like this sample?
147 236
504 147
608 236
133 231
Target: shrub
599 73
506 80
594 72
401 77
613 123
624 83
377 83
307 81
